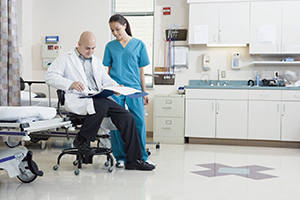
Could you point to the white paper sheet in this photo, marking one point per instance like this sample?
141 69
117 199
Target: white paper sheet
266 34
201 34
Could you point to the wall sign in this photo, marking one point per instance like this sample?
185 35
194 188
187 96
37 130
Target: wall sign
167 10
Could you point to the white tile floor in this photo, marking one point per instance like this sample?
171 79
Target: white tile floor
177 176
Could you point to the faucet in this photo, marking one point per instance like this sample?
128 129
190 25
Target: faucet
218 83
210 82
225 83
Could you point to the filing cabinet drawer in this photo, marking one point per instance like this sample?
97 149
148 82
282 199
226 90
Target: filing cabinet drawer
169 106
264 94
169 127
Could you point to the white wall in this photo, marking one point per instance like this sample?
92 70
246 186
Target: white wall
66 19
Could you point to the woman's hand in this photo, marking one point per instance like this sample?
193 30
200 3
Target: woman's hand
146 100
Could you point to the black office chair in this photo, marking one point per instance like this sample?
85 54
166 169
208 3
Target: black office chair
78 120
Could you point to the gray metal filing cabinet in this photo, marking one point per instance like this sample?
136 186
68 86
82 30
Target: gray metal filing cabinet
169 119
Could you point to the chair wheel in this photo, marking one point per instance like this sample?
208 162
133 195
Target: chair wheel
157 146
75 162
76 172
106 164
55 167
110 169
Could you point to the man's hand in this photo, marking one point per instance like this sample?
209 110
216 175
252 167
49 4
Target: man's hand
77 86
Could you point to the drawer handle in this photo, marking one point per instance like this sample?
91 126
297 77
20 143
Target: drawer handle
168 122
264 95
168 101
167 107
166 128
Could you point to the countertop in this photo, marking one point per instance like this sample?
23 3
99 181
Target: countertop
236 84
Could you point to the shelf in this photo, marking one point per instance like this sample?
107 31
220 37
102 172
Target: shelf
275 63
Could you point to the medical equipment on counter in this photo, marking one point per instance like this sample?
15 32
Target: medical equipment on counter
50 50
18 162
236 60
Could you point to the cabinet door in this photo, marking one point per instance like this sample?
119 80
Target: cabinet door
200 118
290 129
234 22
231 119
265 27
203 21
264 120
290 29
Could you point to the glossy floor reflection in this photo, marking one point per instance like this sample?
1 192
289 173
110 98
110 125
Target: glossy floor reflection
175 177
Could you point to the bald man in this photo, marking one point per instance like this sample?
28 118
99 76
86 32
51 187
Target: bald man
78 72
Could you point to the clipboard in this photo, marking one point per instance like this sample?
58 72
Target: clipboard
110 91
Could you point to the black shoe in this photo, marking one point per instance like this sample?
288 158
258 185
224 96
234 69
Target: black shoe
139 165
83 146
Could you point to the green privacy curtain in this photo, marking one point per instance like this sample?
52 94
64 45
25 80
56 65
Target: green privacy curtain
9 55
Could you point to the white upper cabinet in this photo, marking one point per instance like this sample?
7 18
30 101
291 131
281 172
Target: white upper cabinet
219 23
274 27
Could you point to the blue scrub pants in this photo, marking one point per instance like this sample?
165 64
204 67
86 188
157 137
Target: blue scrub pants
136 108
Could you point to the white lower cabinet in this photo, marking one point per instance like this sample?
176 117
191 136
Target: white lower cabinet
243 114
222 116
231 119
290 120
264 114
200 118
264 120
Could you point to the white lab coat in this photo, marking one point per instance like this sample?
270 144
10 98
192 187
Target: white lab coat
67 69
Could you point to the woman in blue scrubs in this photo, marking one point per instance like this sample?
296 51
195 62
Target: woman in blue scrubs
126 58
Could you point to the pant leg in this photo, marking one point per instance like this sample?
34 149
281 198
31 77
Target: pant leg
117 145
92 122
117 142
136 107
125 123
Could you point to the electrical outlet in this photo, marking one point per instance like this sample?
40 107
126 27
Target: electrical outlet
223 74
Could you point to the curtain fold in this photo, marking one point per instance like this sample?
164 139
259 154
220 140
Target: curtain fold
9 55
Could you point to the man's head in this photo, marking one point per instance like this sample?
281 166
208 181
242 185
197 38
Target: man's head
86 44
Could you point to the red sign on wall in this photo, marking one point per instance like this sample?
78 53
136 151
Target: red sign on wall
167 10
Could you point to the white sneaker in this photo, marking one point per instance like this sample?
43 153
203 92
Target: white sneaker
150 162
120 164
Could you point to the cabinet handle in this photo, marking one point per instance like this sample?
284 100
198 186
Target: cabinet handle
264 95
166 128
283 108
166 107
215 37
168 101
168 122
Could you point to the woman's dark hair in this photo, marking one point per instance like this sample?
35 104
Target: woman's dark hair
122 20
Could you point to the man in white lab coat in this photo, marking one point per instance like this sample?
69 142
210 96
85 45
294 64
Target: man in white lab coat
79 71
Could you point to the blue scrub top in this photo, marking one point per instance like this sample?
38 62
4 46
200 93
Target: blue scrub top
125 62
